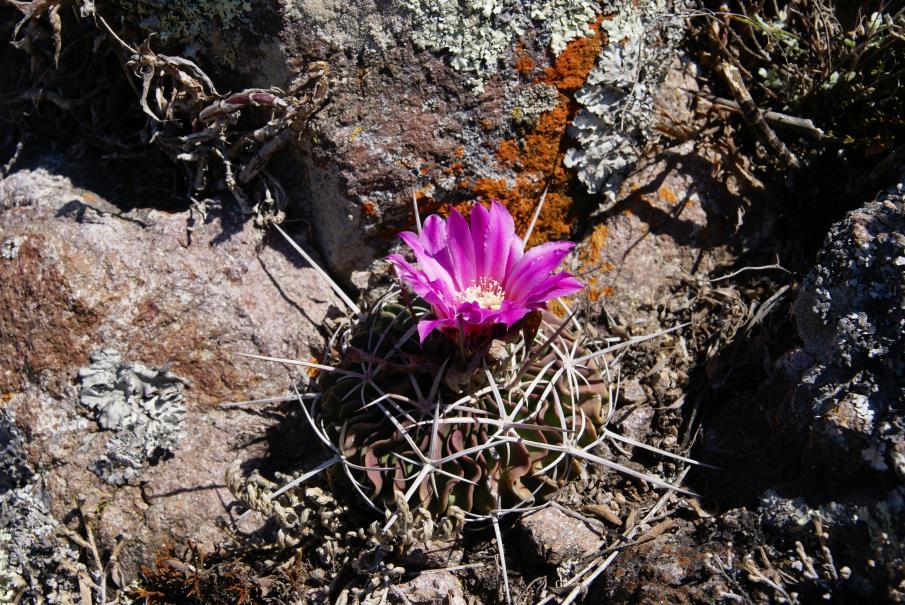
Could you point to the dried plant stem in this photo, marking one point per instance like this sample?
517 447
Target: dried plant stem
540 205
336 288
754 116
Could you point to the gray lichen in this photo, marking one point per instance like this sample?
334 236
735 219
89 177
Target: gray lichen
618 96
14 469
143 406
9 249
38 565
564 20
532 102
477 33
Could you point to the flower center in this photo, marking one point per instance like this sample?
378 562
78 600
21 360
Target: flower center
487 292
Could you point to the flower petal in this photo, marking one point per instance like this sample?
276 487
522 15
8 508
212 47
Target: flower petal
535 266
426 326
561 284
433 234
461 250
503 247
431 291
480 223
431 266
509 314
433 240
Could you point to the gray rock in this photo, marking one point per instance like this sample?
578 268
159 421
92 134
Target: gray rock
850 405
557 539
429 588
89 277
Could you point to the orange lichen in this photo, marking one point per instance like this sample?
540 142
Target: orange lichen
570 69
536 158
557 308
667 195
369 208
590 265
523 63
455 169
589 255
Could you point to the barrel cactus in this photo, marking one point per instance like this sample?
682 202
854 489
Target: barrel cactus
459 391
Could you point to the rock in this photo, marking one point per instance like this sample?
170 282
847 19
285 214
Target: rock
434 554
631 391
851 320
455 100
429 588
861 530
556 539
86 276
38 562
148 316
671 568
14 469
818 445
668 223
637 423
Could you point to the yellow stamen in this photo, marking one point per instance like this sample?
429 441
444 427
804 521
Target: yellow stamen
487 292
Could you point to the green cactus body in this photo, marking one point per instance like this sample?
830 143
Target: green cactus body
480 430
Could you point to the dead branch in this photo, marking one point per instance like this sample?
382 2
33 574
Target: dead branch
802 126
100 573
754 116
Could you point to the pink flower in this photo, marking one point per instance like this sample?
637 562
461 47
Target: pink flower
478 275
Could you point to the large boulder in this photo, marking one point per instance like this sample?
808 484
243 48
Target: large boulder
851 319
120 334
456 101
816 452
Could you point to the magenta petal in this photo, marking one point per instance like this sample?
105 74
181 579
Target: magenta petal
501 244
461 250
432 241
426 326
473 313
431 266
433 234
561 284
480 222
512 314
533 268
432 292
